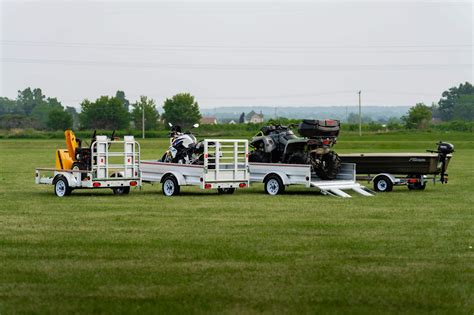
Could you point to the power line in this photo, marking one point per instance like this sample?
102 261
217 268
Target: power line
390 49
242 67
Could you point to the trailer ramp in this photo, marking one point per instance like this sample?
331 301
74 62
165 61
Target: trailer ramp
345 180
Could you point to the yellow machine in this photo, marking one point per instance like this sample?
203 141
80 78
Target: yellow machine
66 158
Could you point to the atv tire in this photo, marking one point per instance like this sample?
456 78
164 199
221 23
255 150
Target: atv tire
329 167
258 156
299 158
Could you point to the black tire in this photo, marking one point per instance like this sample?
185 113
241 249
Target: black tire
226 191
383 184
273 185
329 167
416 186
170 186
164 158
299 158
61 187
121 190
258 156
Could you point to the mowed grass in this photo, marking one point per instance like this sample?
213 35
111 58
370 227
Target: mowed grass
93 252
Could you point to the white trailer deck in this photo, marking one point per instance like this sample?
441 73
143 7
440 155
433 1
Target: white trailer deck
225 167
276 176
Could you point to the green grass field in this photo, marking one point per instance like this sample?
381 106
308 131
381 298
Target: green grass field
400 252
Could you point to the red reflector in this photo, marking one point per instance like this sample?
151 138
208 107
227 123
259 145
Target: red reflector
206 156
129 160
242 185
207 186
96 184
326 141
133 183
413 180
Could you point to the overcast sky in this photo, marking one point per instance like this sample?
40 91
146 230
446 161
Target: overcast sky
226 53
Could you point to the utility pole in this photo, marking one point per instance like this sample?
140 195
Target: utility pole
360 116
143 121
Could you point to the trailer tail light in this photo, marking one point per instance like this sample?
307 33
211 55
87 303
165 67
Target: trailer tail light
96 184
133 183
207 186
413 180
242 185
326 141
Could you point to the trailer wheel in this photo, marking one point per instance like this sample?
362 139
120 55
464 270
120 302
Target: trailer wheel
61 187
383 184
225 191
416 186
274 185
170 186
121 190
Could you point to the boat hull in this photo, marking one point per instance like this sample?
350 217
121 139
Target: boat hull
396 163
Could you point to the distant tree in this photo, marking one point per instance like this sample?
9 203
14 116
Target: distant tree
105 113
394 123
41 111
419 117
242 118
27 100
7 106
120 95
151 113
181 110
59 119
464 108
450 97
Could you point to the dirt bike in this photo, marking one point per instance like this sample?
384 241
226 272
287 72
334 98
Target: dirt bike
278 144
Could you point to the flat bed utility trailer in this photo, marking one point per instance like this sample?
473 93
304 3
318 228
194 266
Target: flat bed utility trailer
114 164
224 167
276 176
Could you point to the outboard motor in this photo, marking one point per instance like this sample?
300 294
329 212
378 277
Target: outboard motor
444 148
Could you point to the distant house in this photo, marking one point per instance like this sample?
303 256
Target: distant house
210 120
254 118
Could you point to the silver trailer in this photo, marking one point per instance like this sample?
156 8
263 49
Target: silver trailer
277 176
114 164
224 167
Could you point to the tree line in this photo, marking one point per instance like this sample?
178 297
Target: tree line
33 109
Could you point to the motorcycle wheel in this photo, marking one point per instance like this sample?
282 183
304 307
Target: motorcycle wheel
258 156
329 167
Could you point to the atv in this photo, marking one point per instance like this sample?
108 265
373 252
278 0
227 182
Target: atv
278 144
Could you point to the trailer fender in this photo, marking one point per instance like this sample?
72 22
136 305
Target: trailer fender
284 178
390 176
179 177
71 179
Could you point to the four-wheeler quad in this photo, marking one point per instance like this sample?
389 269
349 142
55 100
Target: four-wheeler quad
278 144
